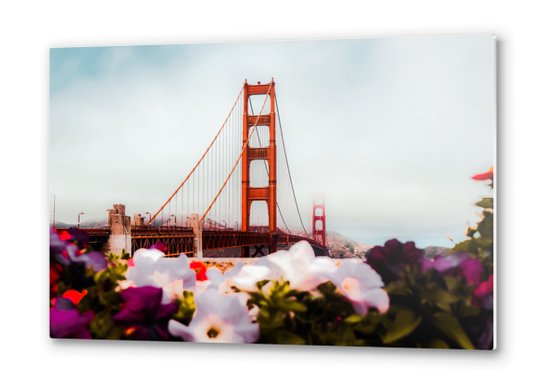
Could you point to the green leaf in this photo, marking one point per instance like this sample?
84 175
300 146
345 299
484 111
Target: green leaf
286 337
398 287
439 295
449 325
102 327
292 305
405 322
327 288
485 227
471 310
462 246
438 343
486 203
261 284
353 318
369 322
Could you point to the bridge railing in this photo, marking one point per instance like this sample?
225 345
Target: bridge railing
232 239
177 241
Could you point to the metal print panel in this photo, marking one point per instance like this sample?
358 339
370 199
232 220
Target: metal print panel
333 192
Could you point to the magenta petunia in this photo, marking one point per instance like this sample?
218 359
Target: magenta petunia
160 246
143 315
483 295
65 321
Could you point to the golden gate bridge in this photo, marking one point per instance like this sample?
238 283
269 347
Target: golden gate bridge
239 194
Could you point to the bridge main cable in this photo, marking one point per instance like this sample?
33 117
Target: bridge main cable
288 166
202 157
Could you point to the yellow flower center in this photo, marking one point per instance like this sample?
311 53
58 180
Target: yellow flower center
212 333
351 286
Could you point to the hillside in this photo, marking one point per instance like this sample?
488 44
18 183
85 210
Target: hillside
342 247
90 223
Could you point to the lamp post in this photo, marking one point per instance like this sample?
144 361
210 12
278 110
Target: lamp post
224 221
79 219
236 226
54 206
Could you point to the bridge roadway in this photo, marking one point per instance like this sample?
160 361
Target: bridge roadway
181 239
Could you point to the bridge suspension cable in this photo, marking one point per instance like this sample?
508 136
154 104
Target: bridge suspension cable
288 167
239 158
200 160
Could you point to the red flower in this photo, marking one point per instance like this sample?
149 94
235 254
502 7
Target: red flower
64 235
200 269
484 176
73 295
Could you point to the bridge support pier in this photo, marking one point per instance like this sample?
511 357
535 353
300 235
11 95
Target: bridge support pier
245 252
195 224
120 231
273 243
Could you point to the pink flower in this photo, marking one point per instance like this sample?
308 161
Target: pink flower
361 285
483 295
459 263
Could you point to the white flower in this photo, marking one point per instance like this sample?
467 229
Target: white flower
361 285
218 318
248 276
301 268
218 279
171 274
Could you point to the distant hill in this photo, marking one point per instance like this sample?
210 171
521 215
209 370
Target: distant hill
90 223
432 251
342 247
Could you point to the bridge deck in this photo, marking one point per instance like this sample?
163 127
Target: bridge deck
181 239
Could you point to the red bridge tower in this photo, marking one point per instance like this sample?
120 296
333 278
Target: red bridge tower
269 193
316 219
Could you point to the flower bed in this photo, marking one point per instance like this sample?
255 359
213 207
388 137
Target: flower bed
397 298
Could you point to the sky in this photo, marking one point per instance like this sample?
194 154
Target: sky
389 131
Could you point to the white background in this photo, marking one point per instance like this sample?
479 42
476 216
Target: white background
28 30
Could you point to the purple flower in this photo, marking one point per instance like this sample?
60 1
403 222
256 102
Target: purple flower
64 252
390 259
456 264
65 321
143 315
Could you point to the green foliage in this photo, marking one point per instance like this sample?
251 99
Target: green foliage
404 323
480 242
104 299
287 316
187 307
426 310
